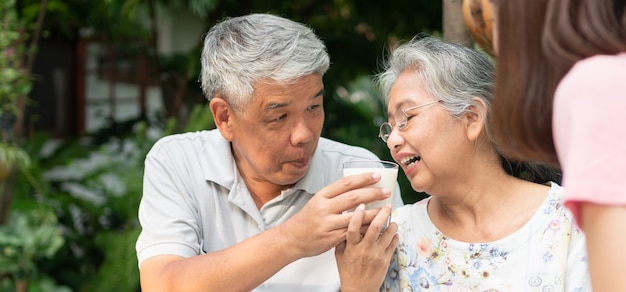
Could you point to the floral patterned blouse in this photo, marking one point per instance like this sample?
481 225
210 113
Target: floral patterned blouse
546 254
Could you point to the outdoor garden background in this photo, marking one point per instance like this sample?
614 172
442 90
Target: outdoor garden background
69 194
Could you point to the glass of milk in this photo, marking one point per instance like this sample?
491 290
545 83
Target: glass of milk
388 177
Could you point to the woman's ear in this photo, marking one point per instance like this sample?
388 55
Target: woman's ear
223 116
475 118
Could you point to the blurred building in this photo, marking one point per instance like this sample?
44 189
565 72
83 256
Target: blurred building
83 82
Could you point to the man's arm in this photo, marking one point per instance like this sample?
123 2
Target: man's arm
318 227
240 267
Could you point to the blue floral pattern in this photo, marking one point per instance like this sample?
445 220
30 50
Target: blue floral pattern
546 254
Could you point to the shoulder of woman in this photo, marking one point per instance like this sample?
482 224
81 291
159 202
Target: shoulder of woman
599 65
598 76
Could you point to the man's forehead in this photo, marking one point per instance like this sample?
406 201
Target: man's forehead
271 99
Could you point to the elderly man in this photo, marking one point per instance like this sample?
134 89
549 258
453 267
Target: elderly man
257 204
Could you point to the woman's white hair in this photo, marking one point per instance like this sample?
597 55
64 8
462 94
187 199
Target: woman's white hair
450 72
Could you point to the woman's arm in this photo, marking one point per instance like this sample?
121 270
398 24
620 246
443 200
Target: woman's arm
604 226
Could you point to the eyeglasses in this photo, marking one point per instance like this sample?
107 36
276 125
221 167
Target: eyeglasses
400 121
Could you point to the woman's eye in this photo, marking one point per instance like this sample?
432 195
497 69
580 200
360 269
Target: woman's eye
408 117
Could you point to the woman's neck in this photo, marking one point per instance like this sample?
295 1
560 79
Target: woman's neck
488 210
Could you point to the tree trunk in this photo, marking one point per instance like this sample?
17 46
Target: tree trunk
454 28
27 66
21 285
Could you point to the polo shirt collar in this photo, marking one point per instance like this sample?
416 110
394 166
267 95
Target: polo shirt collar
217 160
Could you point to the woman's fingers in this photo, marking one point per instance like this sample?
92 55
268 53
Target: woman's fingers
353 235
378 224
390 237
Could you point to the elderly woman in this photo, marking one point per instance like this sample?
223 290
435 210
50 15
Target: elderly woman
483 228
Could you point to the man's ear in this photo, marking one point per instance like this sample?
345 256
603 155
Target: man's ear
475 118
223 117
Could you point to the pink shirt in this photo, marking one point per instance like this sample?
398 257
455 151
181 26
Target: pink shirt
589 127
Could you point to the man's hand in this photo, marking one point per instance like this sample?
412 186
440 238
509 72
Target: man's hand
322 223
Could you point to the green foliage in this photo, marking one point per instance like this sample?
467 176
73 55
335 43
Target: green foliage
96 189
200 119
200 8
13 155
118 271
107 19
29 236
42 283
95 192
15 82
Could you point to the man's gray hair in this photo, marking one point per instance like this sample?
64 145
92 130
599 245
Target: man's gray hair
240 51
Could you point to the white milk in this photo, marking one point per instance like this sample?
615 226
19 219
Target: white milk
388 178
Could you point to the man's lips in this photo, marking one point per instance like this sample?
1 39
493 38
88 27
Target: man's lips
303 162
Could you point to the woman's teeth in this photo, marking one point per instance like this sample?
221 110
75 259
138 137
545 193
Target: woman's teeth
410 159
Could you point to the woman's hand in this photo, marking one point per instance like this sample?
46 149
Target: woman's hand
363 259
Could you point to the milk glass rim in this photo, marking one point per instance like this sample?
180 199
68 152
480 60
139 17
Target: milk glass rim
387 164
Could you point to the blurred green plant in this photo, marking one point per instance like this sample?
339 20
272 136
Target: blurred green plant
12 155
19 32
18 42
94 188
28 237
15 83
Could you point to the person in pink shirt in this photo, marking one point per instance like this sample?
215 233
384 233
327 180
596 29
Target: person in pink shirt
559 98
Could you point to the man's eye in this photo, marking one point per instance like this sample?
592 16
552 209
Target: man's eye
314 107
280 118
